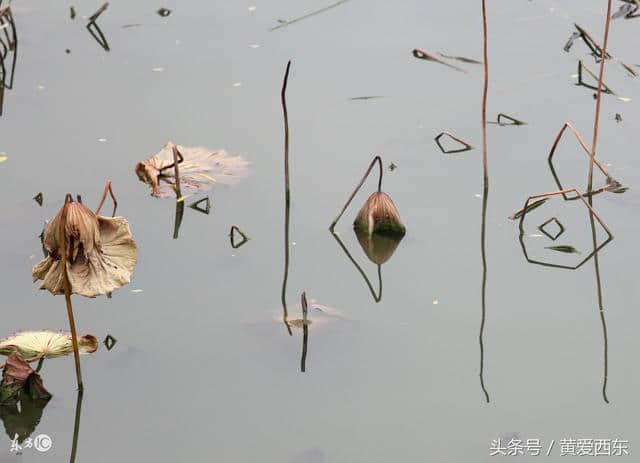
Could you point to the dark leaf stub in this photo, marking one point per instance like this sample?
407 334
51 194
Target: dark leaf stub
39 198
564 248
164 12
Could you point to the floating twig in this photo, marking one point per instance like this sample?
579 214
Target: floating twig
460 58
421 54
564 248
98 12
196 205
500 120
581 82
359 98
308 15
466 146
232 237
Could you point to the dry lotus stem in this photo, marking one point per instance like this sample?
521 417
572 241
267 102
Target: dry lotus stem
34 345
379 215
200 170
101 253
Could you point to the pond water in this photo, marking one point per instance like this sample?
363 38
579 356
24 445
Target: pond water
203 368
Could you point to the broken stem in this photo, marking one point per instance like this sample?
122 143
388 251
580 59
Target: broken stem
305 333
377 159
108 189
67 288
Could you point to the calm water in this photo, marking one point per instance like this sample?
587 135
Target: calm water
204 369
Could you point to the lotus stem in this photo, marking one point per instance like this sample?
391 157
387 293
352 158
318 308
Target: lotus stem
305 333
603 58
287 199
377 159
67 288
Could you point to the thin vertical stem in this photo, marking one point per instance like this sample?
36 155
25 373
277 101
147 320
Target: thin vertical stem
67 287
485 196
592 161
603 59
377 159
177 158
287 199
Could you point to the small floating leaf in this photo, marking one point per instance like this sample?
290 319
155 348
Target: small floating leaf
564 248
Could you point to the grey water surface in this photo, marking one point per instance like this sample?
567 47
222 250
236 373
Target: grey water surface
203 368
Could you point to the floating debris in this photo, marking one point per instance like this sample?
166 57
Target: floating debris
564 248
283 23
35 345
3 157
552 236
421 54
158 69
364 98
72 13
207 207
200 170
465 146
137 291
531 206
392 167
618 117
460 58
94 29
605 87
109 342
164 12
627 10
237 84
500 120
101 251
39 199
232 237
251 9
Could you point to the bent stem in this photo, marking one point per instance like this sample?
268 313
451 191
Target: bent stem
287 199
377 159
67 288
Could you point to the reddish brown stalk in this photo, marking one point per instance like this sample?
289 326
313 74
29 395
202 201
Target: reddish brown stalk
377 159
485 91
67 288
596 121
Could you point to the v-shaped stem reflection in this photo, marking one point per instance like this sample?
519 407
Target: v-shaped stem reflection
376 297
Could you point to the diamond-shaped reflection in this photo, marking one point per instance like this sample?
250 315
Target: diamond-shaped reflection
546 226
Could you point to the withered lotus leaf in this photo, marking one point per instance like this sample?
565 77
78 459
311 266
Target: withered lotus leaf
379 215
33 345
17 376
101 253
200 169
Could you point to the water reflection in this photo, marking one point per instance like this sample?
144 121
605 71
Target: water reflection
8 51
378 249
76 427
21 418
483 300
287 199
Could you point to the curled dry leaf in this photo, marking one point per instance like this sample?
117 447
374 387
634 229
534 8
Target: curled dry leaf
379 215
34 345
102 253
200 169
18 376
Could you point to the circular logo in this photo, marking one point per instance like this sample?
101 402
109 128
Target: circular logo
42 443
